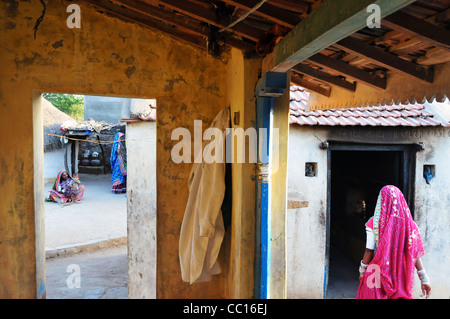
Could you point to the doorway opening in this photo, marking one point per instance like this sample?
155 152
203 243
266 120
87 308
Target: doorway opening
356 175
83 247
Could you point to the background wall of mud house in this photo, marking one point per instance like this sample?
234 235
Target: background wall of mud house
308 227
98 147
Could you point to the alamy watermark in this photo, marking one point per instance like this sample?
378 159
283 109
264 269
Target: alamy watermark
238 146
74 279
74 19
373 20
373 280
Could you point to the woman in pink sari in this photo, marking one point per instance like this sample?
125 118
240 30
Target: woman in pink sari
393 250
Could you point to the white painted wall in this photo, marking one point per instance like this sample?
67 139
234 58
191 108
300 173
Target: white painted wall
54 162
432 213
141 209
306 227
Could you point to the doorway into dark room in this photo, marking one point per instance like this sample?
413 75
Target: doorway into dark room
356 175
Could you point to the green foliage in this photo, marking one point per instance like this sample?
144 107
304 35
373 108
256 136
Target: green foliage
71 104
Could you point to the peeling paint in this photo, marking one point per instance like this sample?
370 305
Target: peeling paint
117 57
58 44
130 71
96 62
9 25
11 8
130 60
171 82
31 60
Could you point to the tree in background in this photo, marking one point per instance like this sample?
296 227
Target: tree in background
71 104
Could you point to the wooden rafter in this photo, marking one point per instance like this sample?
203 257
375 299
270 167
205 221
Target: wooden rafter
327 26
348 70
300 7
299 80
147 21
323 76
440 18
434 56
401 47
268 11
385 59
204 14
182 22
164 15
419 29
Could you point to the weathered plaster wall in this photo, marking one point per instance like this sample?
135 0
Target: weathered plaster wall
106 56
433 208
39 217
141 209
188 102
242 76
307 227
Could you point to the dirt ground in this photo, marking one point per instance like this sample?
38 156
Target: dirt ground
100 214
103 274
97 221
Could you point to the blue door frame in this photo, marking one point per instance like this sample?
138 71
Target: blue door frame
270 86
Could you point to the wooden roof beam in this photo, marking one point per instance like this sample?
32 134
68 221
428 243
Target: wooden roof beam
203 14
385 59
325 77
164 15
348 70
419 29
330 22
147 21
182 22
268 11
293 5
298 80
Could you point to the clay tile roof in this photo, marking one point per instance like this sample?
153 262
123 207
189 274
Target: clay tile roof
412 115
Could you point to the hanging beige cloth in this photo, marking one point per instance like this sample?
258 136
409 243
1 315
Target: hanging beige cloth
202 230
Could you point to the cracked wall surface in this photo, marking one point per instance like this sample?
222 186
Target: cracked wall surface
106 56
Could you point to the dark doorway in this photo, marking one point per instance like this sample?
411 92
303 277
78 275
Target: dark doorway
356 175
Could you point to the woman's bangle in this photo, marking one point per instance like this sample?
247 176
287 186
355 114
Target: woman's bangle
362 268
423 277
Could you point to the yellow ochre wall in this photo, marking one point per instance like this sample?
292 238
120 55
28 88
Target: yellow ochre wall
243 74
107 56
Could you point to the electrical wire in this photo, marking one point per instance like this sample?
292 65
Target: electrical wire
242 17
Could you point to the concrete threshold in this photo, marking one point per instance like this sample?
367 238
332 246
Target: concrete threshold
66 250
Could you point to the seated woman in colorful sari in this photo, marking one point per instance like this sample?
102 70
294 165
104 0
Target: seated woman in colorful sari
393 250
66 188
118 166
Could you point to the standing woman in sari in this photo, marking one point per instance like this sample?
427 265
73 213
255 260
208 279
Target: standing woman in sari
393 250
118 166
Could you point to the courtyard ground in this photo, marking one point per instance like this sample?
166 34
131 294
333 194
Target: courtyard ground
87 239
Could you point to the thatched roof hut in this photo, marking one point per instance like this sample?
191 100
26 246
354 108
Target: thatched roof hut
53 118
